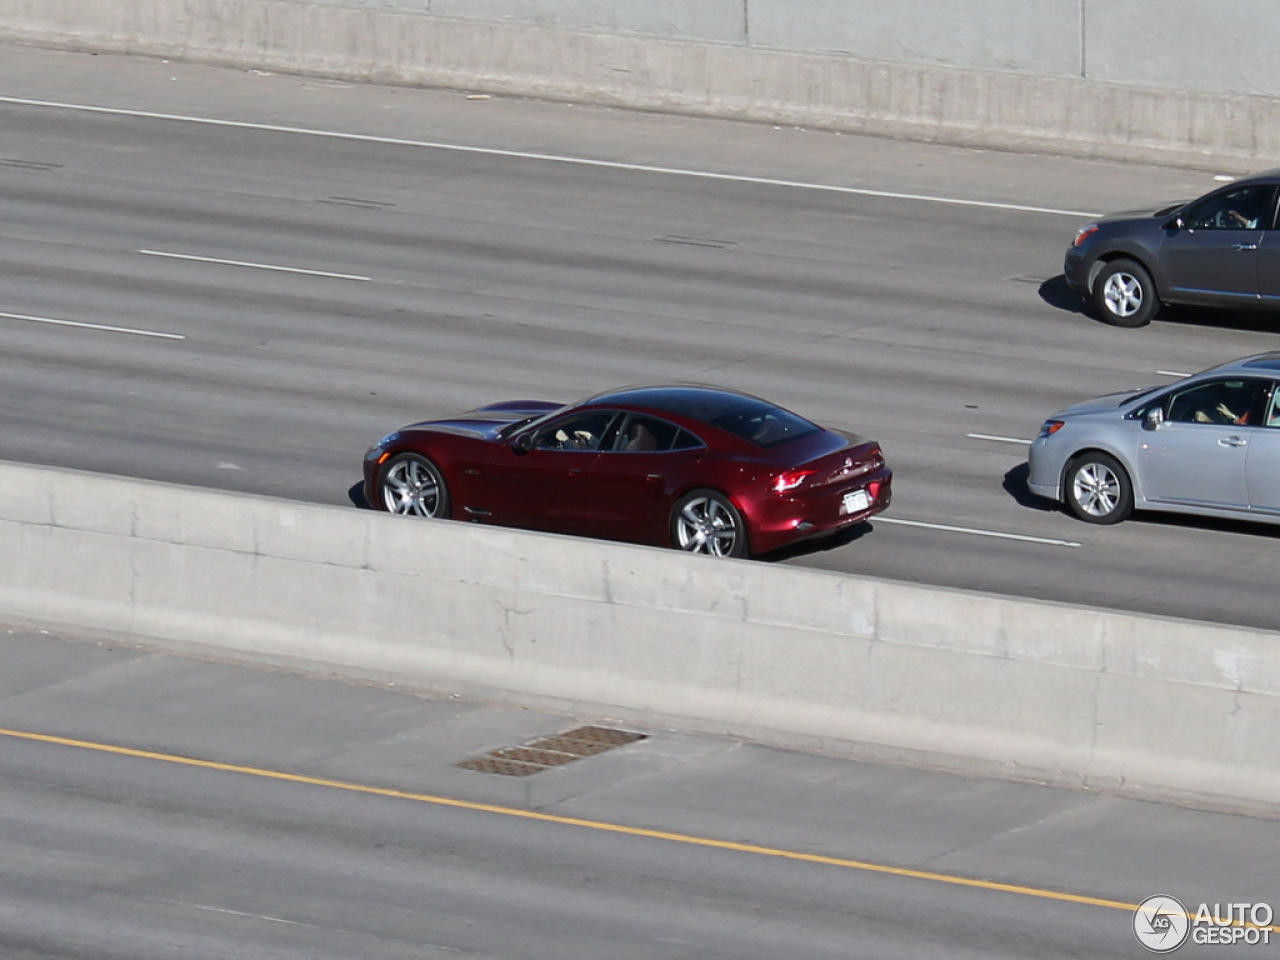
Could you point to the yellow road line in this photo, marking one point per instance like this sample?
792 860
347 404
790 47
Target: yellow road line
684 838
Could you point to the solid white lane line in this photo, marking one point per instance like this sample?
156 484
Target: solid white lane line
977 533
93 326
986 436
1172 373
548 157
255 266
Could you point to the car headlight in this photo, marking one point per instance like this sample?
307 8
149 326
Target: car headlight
1050 427
374 452
1084 233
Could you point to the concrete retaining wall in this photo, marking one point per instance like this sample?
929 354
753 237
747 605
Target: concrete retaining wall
1167 80
798 658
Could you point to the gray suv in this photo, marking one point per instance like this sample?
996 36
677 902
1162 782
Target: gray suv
1207 445
1222 250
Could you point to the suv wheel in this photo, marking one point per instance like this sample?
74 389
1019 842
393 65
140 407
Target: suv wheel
1124 294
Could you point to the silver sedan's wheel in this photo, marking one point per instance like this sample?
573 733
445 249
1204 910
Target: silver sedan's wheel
412 486
706 522
1098 489
1124 294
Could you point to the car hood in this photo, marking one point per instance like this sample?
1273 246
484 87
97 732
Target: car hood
1146 213
486 422
1104 404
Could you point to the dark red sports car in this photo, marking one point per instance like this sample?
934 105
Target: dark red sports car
699 468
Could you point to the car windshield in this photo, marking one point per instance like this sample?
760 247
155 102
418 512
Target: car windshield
512 428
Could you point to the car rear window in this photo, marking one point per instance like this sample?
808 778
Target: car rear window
762 423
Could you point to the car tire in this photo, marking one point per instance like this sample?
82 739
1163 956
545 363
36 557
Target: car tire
1124 295
703 521
1097 489
413 486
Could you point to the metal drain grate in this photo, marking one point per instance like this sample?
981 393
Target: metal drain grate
544 753
605 735
505 768
543 758
576 748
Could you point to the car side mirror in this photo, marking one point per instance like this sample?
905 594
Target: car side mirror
523 443
1177 223
1154 418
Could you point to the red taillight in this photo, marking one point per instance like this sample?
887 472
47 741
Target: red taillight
790 479
873 490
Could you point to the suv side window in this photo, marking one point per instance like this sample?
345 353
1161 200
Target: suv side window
1248 208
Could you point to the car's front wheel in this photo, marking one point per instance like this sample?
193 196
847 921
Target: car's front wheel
413 486
1098 489
1124 295
704 521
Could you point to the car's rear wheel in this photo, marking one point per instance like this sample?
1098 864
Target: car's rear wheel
1098 489
413 486
1124 295
704 521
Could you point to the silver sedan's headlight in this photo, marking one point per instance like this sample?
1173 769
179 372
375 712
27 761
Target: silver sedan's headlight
1050 427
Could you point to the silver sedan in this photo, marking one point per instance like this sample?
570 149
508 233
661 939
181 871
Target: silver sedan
1206 445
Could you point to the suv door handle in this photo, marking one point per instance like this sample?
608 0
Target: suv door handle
1232 442
1244 246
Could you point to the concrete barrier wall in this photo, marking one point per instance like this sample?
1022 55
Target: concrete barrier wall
1177 81
797 658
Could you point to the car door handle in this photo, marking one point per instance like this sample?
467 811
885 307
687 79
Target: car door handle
654 477
1244 246
577 471
1232 442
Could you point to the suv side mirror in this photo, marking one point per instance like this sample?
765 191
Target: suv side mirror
1154 418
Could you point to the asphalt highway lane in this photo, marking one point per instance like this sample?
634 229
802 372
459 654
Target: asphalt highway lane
162 808
241 281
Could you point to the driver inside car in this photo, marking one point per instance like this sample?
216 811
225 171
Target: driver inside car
1245 209
579 433
1230 403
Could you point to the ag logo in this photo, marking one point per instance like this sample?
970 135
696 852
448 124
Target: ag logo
1161 924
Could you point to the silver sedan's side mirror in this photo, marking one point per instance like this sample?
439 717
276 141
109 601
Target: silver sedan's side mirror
1154 418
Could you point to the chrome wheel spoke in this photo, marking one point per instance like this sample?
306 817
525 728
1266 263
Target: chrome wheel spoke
706 526
1097 490
410 488
1123 294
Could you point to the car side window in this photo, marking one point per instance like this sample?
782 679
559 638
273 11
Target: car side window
1273 408
686 441
642 434
583 431
1238 402
1247 208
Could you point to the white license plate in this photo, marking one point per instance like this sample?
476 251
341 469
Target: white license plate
855 502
